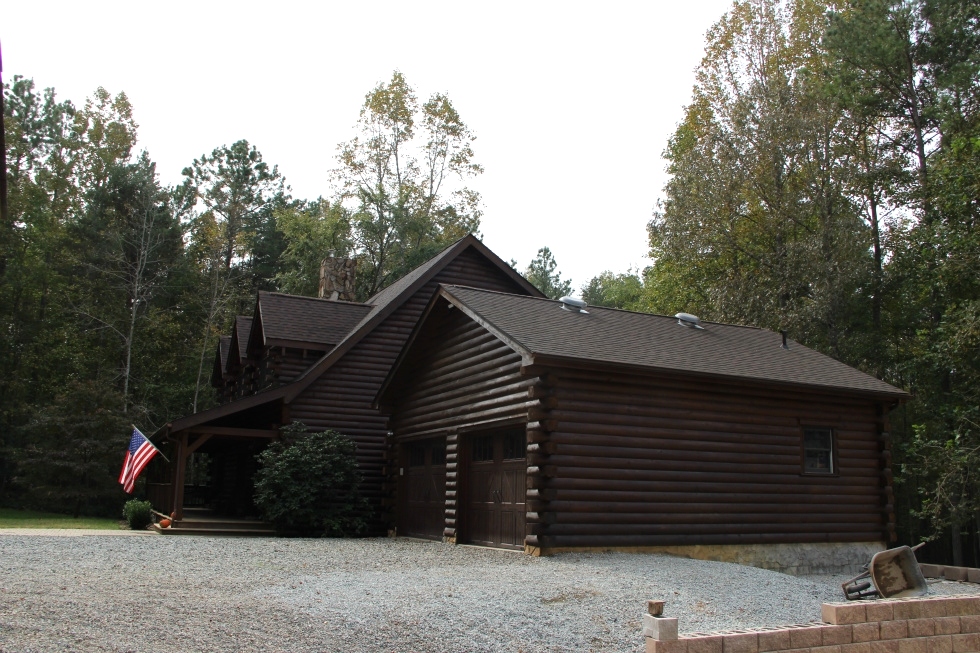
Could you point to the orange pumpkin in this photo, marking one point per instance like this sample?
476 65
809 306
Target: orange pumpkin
164 523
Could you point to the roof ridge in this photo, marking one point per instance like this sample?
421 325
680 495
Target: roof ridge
315 299
610 308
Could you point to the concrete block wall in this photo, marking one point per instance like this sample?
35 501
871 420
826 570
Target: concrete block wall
925 625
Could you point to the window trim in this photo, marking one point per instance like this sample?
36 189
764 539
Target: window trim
834 464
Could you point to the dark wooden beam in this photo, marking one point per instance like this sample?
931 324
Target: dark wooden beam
232 431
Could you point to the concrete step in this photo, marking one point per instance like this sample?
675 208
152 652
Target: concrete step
219 523
216 532
205 522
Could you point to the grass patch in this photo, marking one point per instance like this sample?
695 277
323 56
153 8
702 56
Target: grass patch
32 519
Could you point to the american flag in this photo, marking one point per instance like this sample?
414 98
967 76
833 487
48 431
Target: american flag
139 454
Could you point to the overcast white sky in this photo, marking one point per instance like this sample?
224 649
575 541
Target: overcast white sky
572 103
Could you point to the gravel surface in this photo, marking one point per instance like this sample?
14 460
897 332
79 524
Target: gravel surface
105 593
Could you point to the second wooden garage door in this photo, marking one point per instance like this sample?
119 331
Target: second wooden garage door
496 489
422 489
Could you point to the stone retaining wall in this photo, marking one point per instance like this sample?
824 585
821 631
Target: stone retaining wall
925 625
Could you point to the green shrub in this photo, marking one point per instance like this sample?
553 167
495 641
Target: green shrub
309 485
138 514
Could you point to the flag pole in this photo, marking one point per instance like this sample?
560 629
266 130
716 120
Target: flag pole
135 428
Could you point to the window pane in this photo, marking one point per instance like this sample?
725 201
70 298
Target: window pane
439 452
818 451
515 445
483 448
416 455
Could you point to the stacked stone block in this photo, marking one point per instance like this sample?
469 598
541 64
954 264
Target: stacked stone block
923 625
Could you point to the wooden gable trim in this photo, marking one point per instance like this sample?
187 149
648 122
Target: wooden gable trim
223 410
256 337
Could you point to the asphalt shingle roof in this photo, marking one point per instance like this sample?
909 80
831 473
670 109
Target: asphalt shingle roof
308 319
243 328
611 336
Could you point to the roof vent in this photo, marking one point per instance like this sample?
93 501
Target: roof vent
573 305
688 320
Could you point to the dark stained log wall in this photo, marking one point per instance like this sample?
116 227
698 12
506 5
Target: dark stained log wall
341 398
280 365
634 461
461 379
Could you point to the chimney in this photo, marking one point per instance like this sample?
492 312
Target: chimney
337 278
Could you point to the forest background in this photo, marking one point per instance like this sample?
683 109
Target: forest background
825 180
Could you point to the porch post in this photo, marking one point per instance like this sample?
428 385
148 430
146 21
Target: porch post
179 473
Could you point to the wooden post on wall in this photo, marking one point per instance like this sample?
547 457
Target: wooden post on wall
451 531
541 401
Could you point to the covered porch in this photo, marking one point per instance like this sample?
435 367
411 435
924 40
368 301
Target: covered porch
212 458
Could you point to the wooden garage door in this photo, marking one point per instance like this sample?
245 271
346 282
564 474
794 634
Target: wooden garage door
422 510
496 488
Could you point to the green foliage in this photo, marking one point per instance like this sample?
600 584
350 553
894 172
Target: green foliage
309 484
397 179
824 180
311 231
543 273
67 458
615 291
138 513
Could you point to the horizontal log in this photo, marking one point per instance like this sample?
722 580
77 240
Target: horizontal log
601 498
499 395
545 426
612 423
601 437
538 436
541 494
665 473
832 531
702 405
540 390
536 412
545 471
456 386
735 520
545 448
540 517
579 466
707 483
537 529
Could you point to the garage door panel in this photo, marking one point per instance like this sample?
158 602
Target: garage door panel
423 490
496 490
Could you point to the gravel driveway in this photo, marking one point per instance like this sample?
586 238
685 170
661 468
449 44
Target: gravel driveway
105 593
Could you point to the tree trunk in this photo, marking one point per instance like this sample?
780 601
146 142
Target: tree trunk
957 538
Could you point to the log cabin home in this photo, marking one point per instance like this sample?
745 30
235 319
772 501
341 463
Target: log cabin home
526 423
316 360
486 414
